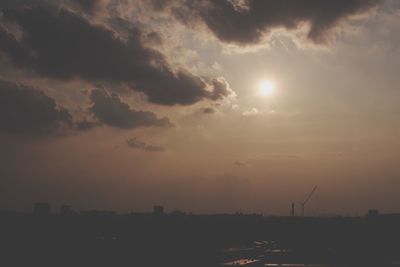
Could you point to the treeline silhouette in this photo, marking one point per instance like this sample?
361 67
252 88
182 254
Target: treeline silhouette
179 239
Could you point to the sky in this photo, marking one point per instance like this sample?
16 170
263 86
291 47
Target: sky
202 106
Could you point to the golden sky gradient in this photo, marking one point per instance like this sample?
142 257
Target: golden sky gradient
200 106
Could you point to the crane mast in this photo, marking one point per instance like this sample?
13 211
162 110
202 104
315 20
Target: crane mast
303 204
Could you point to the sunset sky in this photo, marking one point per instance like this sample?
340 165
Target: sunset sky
203 106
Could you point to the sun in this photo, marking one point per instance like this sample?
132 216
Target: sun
266 88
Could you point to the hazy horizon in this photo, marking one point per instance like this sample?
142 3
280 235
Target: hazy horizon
200 106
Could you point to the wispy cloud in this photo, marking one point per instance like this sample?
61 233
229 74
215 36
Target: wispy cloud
140 145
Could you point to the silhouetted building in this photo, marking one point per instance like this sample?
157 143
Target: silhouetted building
99 213
41 208
158 210
292 210
66 210
372 213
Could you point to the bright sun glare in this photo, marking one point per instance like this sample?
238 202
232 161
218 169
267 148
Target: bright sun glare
266 88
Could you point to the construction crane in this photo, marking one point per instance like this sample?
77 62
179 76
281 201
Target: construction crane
303 204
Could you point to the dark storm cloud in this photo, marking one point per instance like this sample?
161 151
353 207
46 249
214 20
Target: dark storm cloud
109 109
246 21
60 44
26 110
140 145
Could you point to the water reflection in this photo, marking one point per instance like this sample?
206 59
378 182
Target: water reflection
270 254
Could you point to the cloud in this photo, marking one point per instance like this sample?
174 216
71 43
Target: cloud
137 144
109 109
16 3
239 164
60 44
251 112
158 4
26 110
247 21
219 88
88 6
85 125
208 110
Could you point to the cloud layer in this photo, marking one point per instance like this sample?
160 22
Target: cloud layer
60 44
109 109
247 21
26 110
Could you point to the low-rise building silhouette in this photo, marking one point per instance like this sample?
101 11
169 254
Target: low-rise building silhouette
66 210
158 210
373 212
98 213
41 208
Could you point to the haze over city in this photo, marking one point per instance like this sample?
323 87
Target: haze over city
200 106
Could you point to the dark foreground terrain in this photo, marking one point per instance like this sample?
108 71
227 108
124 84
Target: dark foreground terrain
99 239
